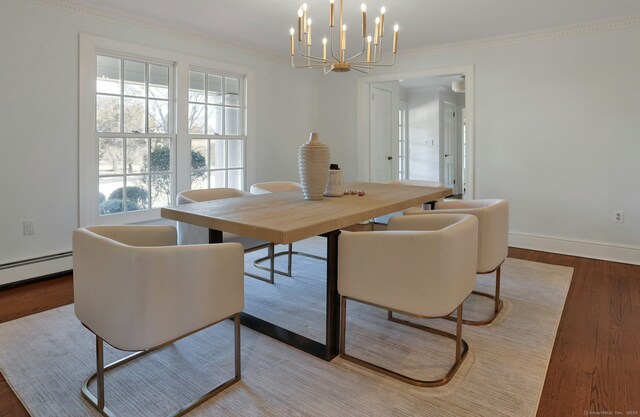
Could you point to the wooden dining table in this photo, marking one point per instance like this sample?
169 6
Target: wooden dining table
287 217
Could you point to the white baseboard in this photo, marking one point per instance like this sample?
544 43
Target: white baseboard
583 248
35 270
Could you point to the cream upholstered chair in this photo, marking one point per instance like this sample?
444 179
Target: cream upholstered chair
493 231
419 183
135 289
424 266
275 187
189 234
280 187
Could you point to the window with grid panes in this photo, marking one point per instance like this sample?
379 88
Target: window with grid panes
216 130
133 131
402 143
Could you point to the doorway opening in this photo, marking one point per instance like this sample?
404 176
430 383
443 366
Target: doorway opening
414 126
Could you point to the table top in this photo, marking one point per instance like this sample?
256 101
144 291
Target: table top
287 217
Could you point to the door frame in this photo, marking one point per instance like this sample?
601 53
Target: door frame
395 104
364 82
454 144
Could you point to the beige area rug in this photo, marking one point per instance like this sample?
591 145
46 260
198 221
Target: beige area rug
45 357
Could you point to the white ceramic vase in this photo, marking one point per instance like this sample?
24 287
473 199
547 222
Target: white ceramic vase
313 166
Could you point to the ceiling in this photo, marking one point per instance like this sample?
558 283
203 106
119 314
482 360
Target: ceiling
264 24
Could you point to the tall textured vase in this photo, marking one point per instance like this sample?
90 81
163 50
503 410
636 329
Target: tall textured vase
313 166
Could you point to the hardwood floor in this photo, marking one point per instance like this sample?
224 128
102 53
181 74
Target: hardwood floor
594 367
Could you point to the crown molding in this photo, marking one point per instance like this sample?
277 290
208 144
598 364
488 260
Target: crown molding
529 37
148 25
492 42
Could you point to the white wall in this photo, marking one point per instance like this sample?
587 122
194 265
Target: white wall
39 122
556 129
423 106
555 132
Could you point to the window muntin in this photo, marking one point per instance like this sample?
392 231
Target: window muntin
133 133
216 130
402 143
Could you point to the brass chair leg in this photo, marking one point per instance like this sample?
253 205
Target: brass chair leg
271 269
462 348
289 253
99 402
498 304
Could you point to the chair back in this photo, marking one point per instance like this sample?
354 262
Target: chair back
493 228
275 187
189 234
423 265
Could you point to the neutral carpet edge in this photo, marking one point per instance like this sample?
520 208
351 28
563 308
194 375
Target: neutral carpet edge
15 392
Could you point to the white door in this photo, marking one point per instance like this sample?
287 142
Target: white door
381 136
449 146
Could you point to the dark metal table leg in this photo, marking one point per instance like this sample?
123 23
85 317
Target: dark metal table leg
326 351
333 298
215 236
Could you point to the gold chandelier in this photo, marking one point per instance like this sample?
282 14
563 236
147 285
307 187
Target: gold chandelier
370 56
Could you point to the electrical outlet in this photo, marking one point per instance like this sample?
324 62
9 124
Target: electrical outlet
618 216
28 227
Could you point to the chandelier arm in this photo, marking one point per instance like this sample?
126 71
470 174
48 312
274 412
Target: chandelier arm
314 66
308 57
309 64
364 47
372 64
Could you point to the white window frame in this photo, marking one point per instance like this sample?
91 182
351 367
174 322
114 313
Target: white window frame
225 137
89 47
403 139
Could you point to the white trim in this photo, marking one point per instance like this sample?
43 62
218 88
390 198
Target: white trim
153 25
587 249
363 114
529 37
21 273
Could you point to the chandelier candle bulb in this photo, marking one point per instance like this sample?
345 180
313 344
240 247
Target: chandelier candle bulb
309 32
331 13
368 48
383 10
299 25
324 49
395 38
363 8
304 16
293 45
377 31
